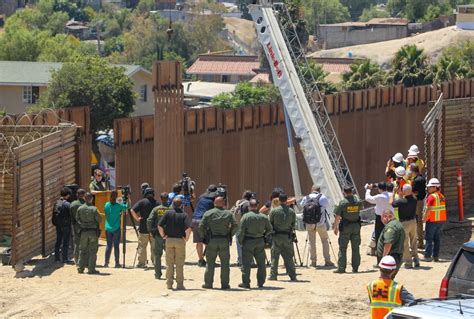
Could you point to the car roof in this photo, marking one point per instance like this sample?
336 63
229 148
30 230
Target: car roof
442 309
469 245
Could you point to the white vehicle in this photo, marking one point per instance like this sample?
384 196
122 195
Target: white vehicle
461 306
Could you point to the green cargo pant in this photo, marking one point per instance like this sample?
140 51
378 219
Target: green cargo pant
250 249
282 245
350 233
217 246
159 246
77 241
89 244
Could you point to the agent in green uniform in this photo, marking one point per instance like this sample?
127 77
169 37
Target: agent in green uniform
283 220
152 226
99 183
391 240
348 224
75 226
254 228
217 228
89 221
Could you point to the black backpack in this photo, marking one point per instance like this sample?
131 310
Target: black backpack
312 211
61 215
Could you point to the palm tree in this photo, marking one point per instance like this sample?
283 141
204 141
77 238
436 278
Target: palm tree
410 67
314 71
362 75
448 69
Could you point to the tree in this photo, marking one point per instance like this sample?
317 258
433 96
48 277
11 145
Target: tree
56 22
145 6
372 13
456 62
20 44
363 75
61 48
93 82
357 6
314 71
410 67
246 94
324 12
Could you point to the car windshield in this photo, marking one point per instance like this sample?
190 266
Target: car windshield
465 266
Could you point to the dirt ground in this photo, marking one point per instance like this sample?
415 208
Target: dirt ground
46 289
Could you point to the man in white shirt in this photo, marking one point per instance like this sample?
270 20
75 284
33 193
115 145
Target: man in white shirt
381 201
320 226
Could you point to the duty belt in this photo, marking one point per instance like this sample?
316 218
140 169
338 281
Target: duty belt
406 219
282 233
218 236
86 229
350 221
251 238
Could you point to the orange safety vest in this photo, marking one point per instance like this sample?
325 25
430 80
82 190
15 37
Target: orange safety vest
437 213
384 295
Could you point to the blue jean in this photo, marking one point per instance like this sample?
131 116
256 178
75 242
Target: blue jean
62 241
433 239
112 238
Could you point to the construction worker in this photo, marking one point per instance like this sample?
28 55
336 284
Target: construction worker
394 162
283 221
434 215
413 158
315 219
400 180
392 239
152 227
75 226
348 224
419 190
384 293
405 209
254 228
89 220
217 228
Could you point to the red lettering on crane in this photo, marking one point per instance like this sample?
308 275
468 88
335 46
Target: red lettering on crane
275 62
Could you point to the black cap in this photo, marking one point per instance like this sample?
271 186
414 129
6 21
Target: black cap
283 197
212 188
149 191
347 189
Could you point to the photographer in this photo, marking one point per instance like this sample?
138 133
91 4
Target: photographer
113 211
177 191
205 203
140 212
381 201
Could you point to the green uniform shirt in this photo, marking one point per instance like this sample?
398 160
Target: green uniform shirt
219 222
349 208
254 225
154 218
393 233
74 207
88 217
283 219
99 186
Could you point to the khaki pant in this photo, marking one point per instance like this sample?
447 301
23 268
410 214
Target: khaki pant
143 241
410 248
323 234
419 223
175 256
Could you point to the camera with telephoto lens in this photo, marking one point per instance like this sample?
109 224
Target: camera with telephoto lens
187 185
126 192
222 190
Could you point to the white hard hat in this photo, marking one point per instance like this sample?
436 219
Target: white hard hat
414 149
400 171
412 154
434 182
388 262
398 158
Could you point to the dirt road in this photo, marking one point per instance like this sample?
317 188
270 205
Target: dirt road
48 290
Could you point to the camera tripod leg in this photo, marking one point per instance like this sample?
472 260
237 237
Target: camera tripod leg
305 245
299 256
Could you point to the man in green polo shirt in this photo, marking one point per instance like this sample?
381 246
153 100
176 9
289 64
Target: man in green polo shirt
391 240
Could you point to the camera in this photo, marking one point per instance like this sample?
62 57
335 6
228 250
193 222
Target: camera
187 185
222 191
126 192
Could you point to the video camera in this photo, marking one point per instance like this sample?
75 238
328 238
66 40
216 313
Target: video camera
126 191
222 191
187 185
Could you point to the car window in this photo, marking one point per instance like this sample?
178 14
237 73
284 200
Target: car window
464 268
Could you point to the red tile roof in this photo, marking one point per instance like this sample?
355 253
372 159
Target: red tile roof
224 64
335 67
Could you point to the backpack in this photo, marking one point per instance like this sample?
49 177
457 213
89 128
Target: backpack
312 211
61 216
236 210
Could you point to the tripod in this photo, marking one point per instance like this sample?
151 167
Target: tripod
124 235
295 241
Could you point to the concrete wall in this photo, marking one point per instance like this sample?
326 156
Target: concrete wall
336 36
11 99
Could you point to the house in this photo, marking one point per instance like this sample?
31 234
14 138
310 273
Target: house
224 68
465 17
22 83
345 34
77 29
8 7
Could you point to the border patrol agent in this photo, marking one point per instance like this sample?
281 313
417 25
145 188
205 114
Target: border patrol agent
75 227
254 228
348 224
89 221
217 228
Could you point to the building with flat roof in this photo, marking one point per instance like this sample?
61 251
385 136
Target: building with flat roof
465 17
